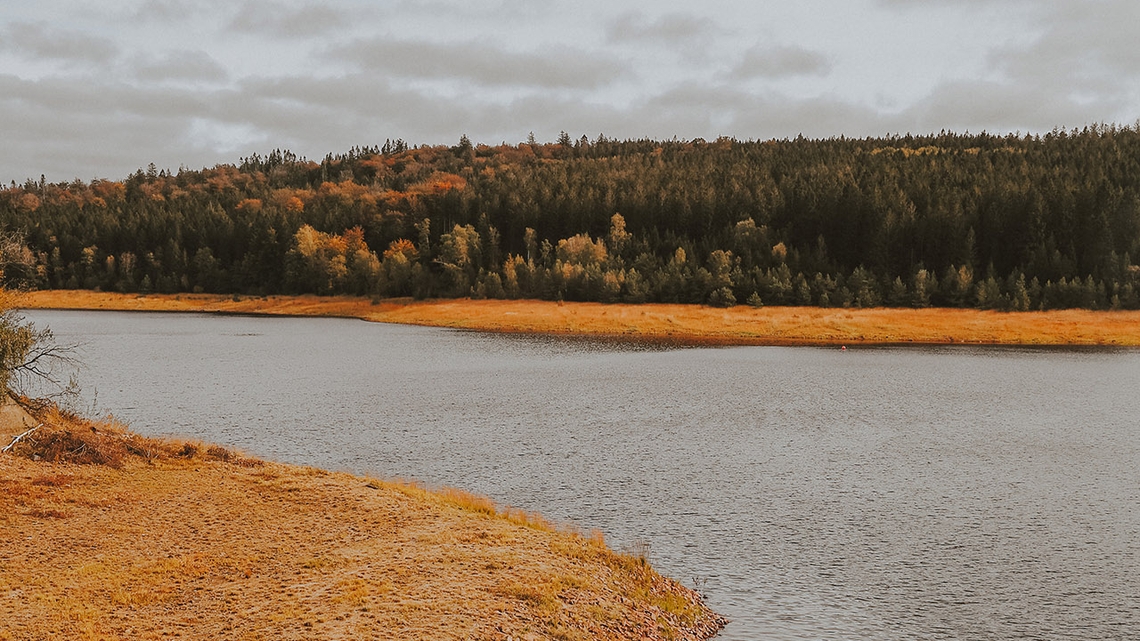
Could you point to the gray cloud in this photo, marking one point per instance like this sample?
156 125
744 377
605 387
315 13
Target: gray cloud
1084 66
86 101
671 29
180 66
37 40
351 110
282 20
710 110
482 63
781 62
180 83
1003 107
71 130
165 10
972 4
1083 43
1069 63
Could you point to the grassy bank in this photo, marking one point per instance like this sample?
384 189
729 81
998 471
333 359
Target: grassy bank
686 324
109 535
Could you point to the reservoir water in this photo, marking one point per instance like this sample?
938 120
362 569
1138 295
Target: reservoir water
890 493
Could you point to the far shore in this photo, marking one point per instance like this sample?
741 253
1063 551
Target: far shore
659 323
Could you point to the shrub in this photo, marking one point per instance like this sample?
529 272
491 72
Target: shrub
722 297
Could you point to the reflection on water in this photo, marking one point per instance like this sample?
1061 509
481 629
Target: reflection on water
811 493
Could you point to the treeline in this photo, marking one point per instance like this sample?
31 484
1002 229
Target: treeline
976 220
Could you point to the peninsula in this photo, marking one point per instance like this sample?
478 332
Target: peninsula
111 535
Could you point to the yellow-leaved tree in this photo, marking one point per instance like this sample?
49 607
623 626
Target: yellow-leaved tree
333 263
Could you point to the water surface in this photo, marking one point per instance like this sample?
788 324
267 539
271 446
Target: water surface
926 493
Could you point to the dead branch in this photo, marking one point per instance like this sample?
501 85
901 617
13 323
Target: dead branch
20 436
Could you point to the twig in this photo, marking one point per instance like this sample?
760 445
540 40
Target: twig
20 436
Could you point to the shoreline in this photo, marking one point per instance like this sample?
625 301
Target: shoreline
673 324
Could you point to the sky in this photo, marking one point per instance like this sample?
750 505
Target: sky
99 90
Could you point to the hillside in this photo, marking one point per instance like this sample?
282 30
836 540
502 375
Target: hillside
948 220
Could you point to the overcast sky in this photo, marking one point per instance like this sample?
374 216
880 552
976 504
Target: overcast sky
97 90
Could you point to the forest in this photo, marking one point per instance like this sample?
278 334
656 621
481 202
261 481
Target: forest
1012 222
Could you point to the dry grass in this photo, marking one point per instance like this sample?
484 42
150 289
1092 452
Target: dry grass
113 536
62 437
686 324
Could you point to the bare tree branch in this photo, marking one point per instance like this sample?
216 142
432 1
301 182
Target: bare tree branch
19 437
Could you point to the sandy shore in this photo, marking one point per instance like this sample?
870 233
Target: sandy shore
682 324
161 540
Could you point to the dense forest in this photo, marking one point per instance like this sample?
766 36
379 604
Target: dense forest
1007 222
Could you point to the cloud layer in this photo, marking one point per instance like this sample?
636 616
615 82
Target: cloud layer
182 83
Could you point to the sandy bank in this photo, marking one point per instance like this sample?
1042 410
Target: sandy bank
157 540
683 324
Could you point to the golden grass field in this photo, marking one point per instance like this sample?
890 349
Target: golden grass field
682 324
112 536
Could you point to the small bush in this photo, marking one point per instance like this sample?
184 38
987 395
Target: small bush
219 453
63 437
73 446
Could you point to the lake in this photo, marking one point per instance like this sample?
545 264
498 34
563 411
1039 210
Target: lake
810 493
